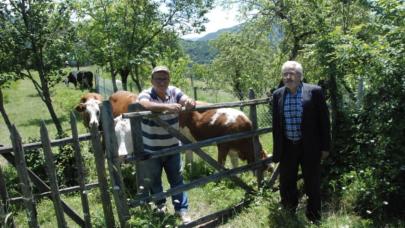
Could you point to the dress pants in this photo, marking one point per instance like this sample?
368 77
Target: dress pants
294 156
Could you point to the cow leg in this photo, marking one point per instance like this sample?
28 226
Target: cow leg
234 158
222 153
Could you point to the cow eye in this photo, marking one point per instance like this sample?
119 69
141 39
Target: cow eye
97 112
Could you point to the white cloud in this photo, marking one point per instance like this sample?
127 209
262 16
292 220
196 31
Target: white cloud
218 18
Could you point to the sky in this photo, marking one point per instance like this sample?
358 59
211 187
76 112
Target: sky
218 18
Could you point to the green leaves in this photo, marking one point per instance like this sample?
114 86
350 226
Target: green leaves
243 61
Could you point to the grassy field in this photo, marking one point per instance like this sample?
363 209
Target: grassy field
26 111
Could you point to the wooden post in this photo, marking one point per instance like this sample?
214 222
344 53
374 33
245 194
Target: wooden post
81 176
255 139
50 169
97 89
3 199
137 139
26 189
114 164
101 175
4 203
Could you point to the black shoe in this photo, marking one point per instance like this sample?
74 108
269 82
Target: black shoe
314 218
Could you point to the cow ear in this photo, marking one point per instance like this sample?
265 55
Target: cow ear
80 108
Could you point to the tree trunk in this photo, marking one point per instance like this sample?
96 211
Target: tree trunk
3 112
43 92
335 101
113 73
124 72
237 86
77 65
55 119
136 78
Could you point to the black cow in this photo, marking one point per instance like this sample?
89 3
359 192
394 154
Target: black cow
71 78
84 78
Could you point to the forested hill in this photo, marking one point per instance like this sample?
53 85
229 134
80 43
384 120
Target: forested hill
214 35
199 50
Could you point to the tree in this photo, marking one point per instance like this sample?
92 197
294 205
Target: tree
243 60
35 34
126 34
356 49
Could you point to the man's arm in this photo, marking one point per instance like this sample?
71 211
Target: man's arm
159 107
275 118
324 124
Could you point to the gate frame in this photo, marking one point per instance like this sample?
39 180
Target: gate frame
135 116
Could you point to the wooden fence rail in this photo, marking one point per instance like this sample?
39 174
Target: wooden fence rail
199 144
38 145
61 191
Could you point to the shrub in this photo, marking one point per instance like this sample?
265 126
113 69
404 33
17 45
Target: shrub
66 166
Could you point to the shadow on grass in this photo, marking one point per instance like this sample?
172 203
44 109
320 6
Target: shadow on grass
37 121
33 95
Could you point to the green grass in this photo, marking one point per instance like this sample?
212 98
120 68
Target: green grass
26 110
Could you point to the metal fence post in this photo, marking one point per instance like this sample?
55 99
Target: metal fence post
195 93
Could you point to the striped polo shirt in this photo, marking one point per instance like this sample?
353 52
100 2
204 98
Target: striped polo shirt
155 137
293 114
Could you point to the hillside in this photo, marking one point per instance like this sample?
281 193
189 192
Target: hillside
214 35
200 51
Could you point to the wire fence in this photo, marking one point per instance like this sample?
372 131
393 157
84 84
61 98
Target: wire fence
212 95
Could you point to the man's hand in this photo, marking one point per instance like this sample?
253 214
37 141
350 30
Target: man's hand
189 104
173 107
325 154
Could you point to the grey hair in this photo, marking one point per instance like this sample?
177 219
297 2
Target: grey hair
293 65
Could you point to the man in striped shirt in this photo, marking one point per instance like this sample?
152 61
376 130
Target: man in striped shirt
163 97
301 137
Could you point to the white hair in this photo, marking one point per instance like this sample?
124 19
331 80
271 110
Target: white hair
293 65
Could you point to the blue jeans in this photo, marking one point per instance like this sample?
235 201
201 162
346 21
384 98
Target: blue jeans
153 178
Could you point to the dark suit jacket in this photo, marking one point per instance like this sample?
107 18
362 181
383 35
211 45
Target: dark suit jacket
315 126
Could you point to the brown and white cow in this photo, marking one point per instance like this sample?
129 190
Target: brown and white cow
218 122
89 108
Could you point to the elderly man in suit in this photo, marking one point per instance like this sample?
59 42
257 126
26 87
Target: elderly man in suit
301 137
